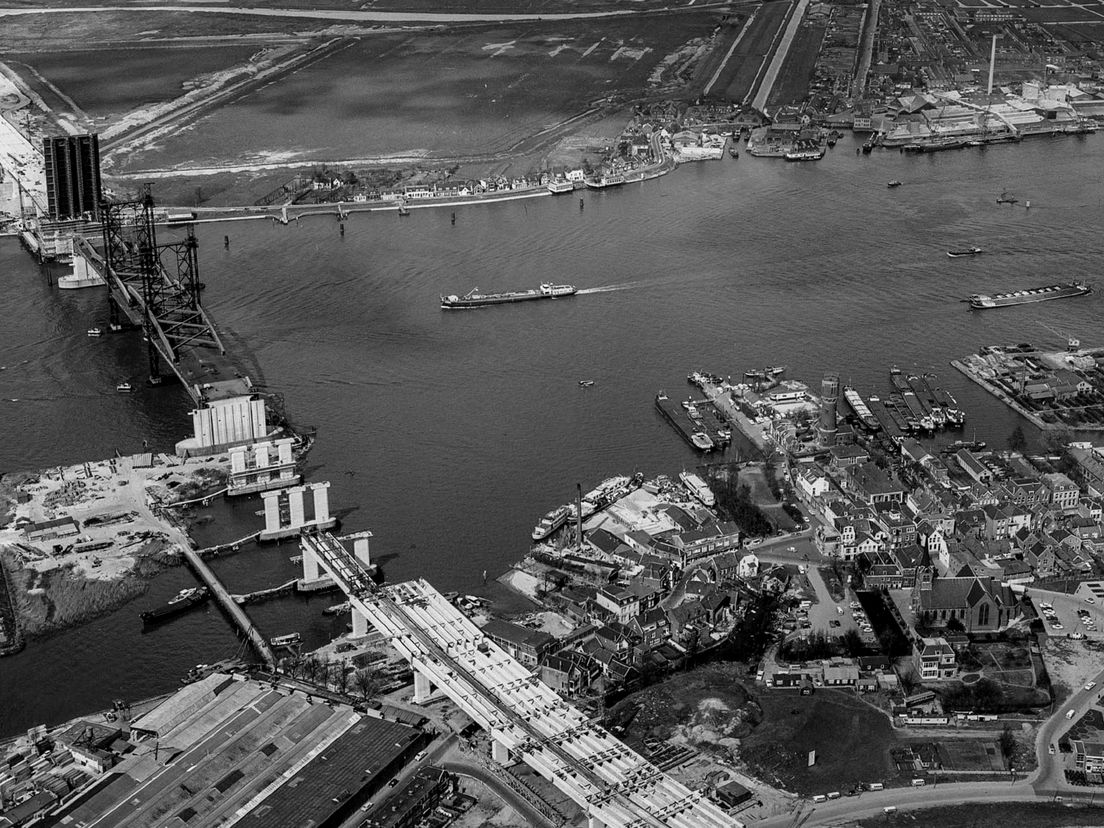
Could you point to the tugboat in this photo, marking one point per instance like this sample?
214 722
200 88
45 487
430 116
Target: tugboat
967 251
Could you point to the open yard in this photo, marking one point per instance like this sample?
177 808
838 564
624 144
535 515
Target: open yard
482 93
705 708
851 740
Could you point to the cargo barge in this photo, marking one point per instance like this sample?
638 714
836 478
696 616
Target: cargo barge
184 600
862 411
691 431
982 301
475 299
889 425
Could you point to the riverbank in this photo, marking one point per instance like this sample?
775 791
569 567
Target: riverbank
80 541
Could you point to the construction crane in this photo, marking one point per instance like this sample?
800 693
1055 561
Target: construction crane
1073 344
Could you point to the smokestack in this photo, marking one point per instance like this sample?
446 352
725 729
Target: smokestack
579 515
992 63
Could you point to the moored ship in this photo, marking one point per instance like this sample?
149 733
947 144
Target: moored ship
550 523
475 299
184 600
862 411
607 180
698 488
982 301
558 186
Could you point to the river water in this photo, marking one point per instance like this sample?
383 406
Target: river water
449 434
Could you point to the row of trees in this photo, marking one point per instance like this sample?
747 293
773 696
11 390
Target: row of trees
364 683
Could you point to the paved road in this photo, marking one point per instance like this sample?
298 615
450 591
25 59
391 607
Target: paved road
929 796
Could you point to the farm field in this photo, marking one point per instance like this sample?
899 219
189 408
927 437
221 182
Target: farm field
480 93
107 82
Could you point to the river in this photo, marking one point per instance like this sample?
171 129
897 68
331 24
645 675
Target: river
448 434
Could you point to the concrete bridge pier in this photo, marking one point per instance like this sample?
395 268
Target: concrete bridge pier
423 688
311 570
594 822
500 753
360 628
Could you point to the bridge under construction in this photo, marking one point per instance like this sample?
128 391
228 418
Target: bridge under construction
156 287
526 719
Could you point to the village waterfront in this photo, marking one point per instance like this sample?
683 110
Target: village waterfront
449 435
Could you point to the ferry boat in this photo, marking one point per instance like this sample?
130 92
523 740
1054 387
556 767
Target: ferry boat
550 523
289 640
94 332
982 301
604 181
966 251
184 600
560 186
698 488
124 387
805 154
475 299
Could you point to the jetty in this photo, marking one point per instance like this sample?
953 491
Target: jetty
226 601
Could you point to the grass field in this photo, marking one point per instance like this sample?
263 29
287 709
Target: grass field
851 741
113 81
738 79
792 84
479 93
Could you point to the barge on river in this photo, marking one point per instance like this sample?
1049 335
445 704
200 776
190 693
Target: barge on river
475 299
981 301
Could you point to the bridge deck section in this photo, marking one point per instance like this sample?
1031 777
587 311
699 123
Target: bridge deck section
607 779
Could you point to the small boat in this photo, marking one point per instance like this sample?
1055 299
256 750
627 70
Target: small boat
733 152
404 210
967 251
94 332
124 387
586 383
894 183
702 441
1007 198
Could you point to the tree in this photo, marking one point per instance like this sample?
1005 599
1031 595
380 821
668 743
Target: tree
366 683
1017 441
1007 742
852 643
339 678
312 669
955 625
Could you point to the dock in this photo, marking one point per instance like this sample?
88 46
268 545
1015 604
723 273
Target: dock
708 421
237 615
